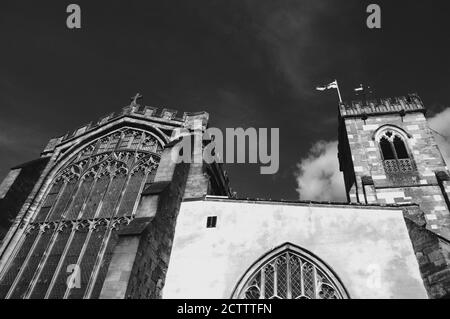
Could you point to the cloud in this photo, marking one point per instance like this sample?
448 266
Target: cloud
318 176
441 124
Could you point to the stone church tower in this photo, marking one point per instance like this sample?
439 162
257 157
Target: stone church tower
388 155
101 203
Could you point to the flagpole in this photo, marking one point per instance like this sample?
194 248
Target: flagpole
338 91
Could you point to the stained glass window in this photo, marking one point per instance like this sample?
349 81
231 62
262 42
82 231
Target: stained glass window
289 274
76 222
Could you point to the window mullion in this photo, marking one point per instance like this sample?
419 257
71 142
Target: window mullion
25 262
275 278
288 276
316 291
312 282
58 227
393 150
302 283
66 249
263 284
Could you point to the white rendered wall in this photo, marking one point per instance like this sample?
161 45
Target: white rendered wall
369 249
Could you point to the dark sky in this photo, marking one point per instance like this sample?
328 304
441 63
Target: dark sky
247 63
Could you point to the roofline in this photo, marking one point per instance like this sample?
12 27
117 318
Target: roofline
299 202
382 106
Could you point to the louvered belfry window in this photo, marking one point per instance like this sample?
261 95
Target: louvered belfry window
290 275
76 224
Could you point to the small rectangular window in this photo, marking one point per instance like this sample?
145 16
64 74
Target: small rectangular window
211 222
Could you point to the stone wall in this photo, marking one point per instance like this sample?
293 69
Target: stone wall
140 250
17 190
373 184
141 256
152 259
427 185
433 256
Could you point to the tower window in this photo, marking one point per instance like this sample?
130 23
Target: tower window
400 148
396 158
386 149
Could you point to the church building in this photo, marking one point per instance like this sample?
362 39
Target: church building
107 212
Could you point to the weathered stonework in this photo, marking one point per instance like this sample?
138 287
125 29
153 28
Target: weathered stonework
16 191
111 198
93 200
142 253
153 255
359 124
425 182
433 256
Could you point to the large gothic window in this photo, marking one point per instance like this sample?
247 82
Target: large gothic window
77 221
289 273
396 158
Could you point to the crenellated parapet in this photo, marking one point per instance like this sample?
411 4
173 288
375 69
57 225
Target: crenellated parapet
167 117
401 105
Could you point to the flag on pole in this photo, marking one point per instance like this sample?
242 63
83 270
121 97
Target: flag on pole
359 89
363 90
332 85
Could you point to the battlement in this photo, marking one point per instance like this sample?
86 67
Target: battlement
160 115
401 105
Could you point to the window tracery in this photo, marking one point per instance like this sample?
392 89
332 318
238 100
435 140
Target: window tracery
395 154
86 203
291 275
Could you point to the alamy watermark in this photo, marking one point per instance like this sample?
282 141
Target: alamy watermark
73 20
374 19
249 145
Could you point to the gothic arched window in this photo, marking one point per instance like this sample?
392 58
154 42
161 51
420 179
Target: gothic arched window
386 149
289 273
400 148
86 201
396 157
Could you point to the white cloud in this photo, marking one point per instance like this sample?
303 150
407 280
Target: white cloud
318 175
441 124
